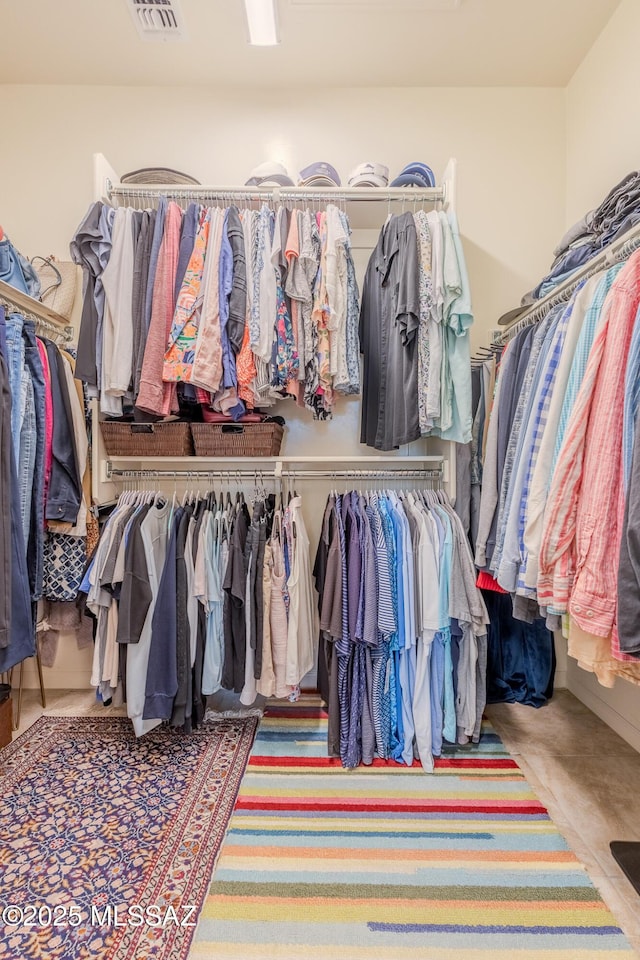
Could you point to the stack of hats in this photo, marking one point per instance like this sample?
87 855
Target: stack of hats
323 174
415 175
369 175
269 174
319 174
156 175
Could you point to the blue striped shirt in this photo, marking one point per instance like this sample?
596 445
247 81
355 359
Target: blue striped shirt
541 410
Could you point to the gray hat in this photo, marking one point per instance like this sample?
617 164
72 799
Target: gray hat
153 175
512 315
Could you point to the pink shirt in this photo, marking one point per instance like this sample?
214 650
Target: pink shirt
155 396
583 519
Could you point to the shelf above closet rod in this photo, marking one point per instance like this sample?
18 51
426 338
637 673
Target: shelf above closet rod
33 309
616 252
107 187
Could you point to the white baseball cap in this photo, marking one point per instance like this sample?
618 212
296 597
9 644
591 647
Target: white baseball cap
269 173
369 175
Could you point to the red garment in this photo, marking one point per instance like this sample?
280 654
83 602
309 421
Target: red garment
486 582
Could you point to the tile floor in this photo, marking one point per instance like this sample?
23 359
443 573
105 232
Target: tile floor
584 773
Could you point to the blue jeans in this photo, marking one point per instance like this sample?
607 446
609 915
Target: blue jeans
17 381
22 623
36 526
27 461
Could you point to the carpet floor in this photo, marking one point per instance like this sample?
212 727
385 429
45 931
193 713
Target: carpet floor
388 863
108 843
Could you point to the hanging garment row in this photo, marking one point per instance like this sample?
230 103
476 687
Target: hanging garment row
45 481
217 307
414 333
232 310
403 645
557 472
520 653
194 597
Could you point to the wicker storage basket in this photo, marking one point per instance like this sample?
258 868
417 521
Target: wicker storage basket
237 439
170 439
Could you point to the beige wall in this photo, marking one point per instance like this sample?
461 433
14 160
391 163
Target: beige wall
603 128
508 143
603 144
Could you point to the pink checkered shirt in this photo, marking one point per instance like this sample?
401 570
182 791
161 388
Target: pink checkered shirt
583 518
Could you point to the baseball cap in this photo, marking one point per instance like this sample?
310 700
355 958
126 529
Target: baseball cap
319 174
369 175
269 173
415 175
512 315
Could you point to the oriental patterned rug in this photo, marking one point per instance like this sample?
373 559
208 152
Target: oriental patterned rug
108 843
389 863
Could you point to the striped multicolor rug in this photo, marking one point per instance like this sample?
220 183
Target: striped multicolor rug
388 863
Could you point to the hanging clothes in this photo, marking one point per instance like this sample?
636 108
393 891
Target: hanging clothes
396 587
414 334
559 445
224 307
193 598
17 628
44 480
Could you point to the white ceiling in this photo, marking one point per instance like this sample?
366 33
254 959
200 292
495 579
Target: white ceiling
334 42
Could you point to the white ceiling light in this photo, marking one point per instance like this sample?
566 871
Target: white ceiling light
263 24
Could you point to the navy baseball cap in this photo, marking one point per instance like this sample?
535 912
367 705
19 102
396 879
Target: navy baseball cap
415 175
319 174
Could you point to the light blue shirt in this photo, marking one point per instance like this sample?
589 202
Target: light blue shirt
581 355
513 549
458 317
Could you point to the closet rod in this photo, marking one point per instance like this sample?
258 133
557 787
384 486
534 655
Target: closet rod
276 194
407 472
616 252
18 302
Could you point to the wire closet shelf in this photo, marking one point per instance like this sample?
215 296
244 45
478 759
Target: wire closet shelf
148 195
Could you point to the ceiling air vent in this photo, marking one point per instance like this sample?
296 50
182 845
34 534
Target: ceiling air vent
158 19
